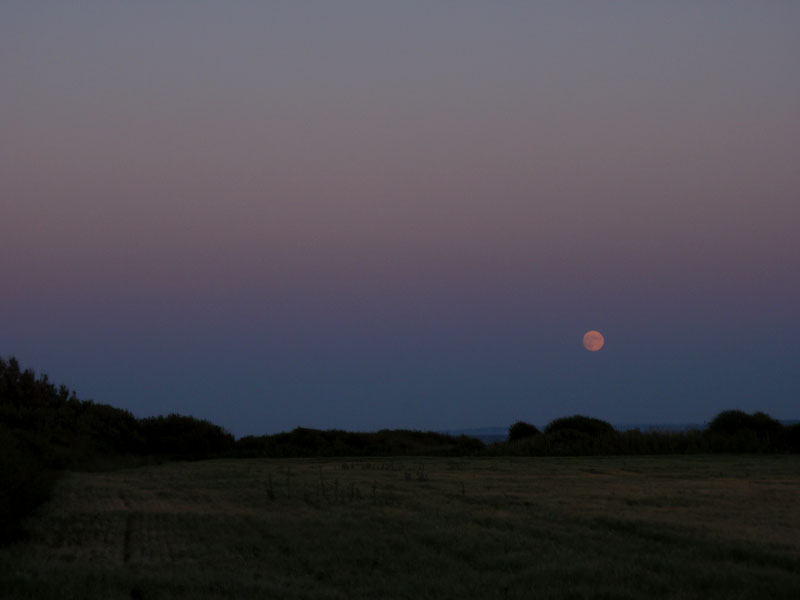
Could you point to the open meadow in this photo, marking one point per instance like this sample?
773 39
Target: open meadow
710 526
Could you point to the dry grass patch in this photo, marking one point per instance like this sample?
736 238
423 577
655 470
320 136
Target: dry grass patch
643 527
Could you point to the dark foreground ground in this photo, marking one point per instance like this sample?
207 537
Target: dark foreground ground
711 526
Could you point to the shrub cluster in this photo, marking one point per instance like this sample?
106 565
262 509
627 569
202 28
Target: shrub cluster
69 432
178 436
25 481
521 430
302 441
45 428
729 431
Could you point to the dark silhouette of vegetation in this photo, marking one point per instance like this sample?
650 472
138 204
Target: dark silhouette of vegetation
302 441
572 442
46 428
69 432
736 431
178 436
520 430
792 437
25 481
580 424
730 431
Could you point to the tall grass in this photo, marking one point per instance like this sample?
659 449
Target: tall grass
409 527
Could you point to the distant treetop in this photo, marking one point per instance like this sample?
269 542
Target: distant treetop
520 430
581 423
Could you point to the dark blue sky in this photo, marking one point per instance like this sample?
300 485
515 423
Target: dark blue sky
364 215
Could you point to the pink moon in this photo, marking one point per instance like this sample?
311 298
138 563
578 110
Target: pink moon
593 340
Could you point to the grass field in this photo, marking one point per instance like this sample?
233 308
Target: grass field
622 527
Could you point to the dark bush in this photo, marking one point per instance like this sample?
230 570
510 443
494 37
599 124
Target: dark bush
579 423
736 431
792 437
179 436
302 441
730 422
520 430
25 482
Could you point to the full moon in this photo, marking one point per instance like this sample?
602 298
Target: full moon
593 340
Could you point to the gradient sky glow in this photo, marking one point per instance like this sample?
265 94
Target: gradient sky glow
403 214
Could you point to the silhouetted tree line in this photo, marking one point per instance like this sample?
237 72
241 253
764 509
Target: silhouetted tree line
333 442
69 432
178 436
730 431
46 428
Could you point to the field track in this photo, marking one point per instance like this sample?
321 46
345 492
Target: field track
622 527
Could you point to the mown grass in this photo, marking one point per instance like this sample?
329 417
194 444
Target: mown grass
618 527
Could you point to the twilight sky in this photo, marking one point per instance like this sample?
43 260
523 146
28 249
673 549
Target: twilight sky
403 214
